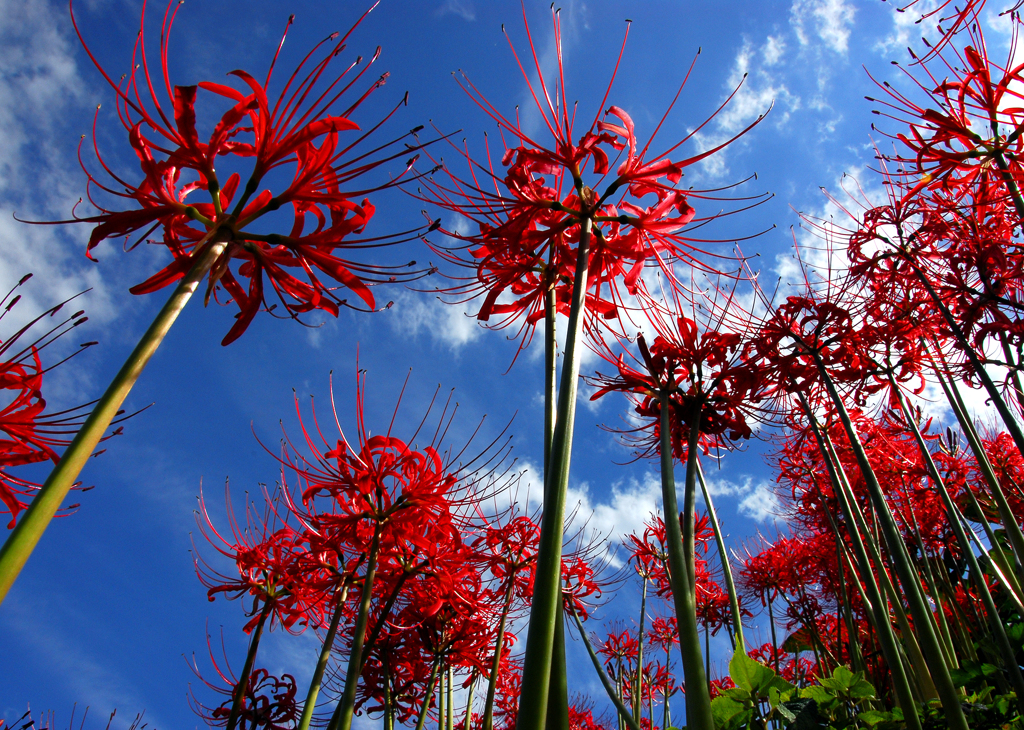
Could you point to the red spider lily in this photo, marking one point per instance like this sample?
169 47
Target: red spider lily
304 129
529 221
31 435
268 702
964 123
268 558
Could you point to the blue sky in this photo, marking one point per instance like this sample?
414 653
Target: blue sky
109 608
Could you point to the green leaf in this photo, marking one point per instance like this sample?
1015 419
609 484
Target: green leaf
875 717
804 712
800 640
727 712
754 676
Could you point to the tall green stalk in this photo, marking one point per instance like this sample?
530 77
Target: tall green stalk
238 693
431 683
954 518
624 714
341 595
871 595
680 545
492 681
547 596
723 556
342 718
923 620
26 534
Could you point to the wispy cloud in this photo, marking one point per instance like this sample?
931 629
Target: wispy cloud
827 22
463 8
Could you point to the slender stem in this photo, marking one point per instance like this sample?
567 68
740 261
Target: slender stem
680 556
723 556
548 583
623 711
1013 530
771 624
440 699
238 694
325 653
558 694
26 534
342 719
492 681
923 620
450 699
469 702
953 517
431 683
637 680
867 586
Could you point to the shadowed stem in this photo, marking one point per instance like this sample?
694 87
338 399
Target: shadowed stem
680 547
26 534
870 594
954 518
923 620
431 683
547 597
492 681
238 694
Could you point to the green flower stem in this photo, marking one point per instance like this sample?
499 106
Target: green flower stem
1013 530
238 693
342 718
954 518
640 653
450 700
623 711
492 681
1006 579
431 683
923 620
544 613
558 694
440 700
325 654
723 556
918 666
681 570
26 534
469 703
867 585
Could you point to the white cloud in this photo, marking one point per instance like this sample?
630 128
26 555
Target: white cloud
774 48
761 503
463 8
39 180
827 21
447 324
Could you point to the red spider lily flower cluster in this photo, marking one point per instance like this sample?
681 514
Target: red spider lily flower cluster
402 526
31 434
528 221
308 129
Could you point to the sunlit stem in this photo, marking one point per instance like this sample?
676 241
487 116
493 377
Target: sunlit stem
547 603
680 545
26 534
342 718
613 695
723 556
1005 577
955 520
923 619
866 584
440 699
325 654
238 693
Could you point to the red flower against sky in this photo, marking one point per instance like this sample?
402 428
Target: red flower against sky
308 129
28 433
526 223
